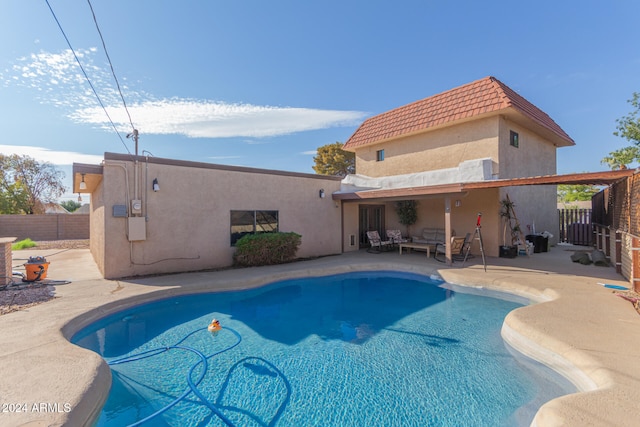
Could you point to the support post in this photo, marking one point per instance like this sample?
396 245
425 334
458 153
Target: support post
447 229
635 263
618 252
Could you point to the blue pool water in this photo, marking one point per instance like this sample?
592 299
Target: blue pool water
383 349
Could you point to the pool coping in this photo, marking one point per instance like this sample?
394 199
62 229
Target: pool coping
596 345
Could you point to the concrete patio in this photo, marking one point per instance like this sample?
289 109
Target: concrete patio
575 326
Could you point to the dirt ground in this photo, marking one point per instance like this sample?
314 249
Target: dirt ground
63 244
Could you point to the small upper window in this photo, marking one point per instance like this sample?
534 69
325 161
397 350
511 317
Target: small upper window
513 139
379 155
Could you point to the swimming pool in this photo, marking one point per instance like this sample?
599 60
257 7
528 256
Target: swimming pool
355 349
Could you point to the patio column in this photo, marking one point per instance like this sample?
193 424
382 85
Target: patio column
447 229
6 269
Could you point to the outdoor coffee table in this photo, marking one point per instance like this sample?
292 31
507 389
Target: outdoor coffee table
420 246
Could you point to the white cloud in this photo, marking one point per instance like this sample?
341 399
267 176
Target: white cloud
60 82
54 157
310 153
210 119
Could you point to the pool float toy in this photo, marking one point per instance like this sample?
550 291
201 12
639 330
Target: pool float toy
214 326
618 287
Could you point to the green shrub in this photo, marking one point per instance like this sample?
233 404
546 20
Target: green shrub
266 249
23 244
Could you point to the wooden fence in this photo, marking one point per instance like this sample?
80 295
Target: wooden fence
575 226
616 221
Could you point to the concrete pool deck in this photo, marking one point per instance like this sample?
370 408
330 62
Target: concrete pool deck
577 326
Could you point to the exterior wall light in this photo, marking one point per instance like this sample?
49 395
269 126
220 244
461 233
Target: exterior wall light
79 198
83 185
321 193
156 186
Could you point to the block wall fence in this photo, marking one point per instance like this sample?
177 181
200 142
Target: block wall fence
45 227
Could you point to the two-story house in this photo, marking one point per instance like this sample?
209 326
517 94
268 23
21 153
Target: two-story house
452 152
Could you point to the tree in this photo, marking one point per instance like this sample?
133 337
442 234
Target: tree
621 158
331 159
629 125
26 184
575 193
71 205
12 197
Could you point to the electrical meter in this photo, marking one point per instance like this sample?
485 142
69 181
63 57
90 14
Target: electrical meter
136 207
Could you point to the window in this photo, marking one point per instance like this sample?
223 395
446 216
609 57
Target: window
379 155
252 222
513 139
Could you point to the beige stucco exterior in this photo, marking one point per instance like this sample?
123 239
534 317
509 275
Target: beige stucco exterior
186 225
438 149
448 147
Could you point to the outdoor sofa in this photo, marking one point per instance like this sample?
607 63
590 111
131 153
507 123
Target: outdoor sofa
431 236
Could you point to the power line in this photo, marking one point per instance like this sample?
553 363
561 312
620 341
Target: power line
111 65
87 77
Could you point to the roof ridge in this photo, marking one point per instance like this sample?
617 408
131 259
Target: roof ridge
526 107
498 86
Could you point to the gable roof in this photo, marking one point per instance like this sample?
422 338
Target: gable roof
482 97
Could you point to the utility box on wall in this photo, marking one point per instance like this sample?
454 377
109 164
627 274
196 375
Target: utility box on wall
137 227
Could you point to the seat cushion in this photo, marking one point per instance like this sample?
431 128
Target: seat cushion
431 236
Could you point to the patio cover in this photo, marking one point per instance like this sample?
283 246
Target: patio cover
605 178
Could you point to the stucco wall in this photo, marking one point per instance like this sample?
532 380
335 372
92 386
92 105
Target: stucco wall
350 226
187 225
534 156
97 242
535 207
438 149
448 147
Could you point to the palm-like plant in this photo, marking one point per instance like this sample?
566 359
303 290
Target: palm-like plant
621 158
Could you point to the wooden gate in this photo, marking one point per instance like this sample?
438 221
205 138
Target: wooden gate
575 226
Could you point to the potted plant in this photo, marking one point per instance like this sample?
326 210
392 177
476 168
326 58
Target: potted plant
509 248
407 211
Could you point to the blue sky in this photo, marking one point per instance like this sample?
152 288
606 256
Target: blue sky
263 84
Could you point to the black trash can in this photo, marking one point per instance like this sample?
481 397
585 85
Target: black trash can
540 243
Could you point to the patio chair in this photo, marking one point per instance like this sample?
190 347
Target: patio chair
376 244
466 249
457 249
396 237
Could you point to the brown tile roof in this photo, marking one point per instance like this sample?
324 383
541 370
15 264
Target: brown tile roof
483 96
